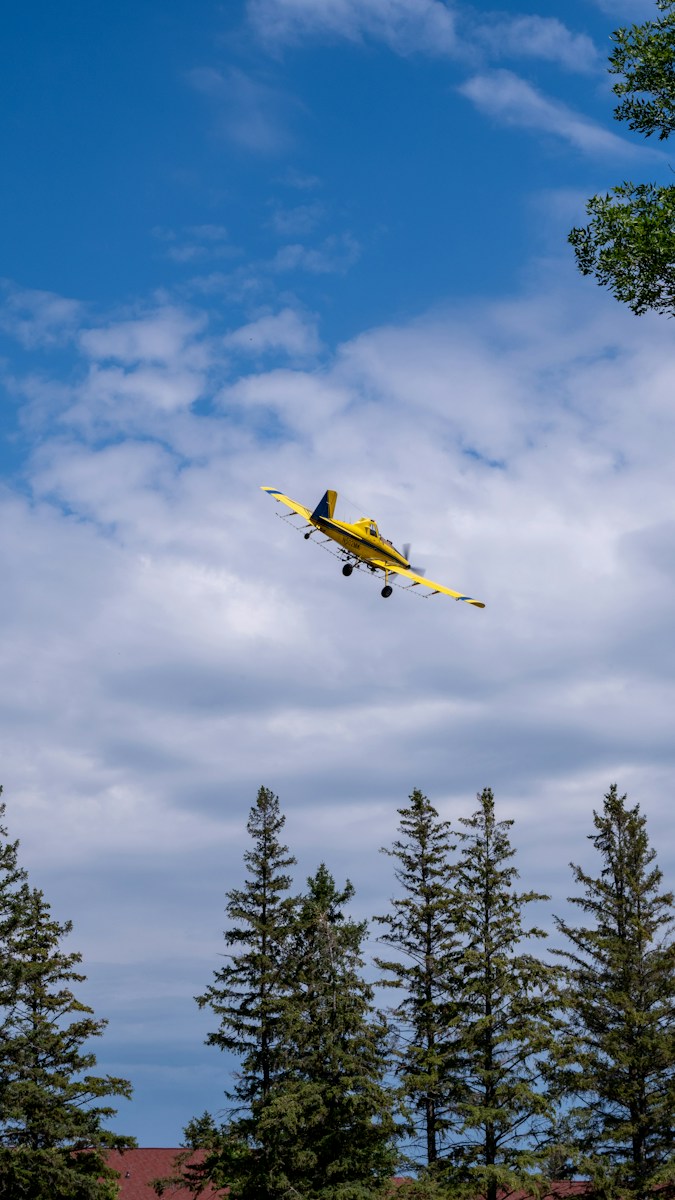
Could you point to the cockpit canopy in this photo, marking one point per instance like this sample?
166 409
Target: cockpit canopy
370 527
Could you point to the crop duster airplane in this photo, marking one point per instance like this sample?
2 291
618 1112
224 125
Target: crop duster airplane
362 545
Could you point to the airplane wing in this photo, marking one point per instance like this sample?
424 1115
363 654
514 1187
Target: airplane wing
298 508
419 579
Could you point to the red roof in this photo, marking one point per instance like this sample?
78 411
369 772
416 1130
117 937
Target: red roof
562 1189
138 1168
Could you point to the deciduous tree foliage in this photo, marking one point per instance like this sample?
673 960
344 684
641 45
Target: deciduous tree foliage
505 1017
616 1061
419 928
52 1138
629 242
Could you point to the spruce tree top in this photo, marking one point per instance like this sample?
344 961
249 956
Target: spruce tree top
617 1059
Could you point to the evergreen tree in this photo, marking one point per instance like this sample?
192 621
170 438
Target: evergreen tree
11 877
52 1141
321 1123
504 1020
331 1118
11 874
419 929
249 995
616 1062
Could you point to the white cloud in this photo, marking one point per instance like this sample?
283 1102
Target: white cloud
406 26
511 100
171 645
421 26
154 362
287 331
38 318
545 38
158 337
113 395
304 403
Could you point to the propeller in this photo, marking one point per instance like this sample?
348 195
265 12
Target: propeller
406 554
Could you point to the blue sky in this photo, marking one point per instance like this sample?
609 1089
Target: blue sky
311 243
128 128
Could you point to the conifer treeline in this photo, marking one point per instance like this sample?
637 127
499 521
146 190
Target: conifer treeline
494 1068
53 1139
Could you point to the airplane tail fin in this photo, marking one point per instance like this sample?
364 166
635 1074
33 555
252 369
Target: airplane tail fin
326 506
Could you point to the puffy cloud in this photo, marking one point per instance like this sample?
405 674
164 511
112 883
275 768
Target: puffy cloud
170 645
524 409
304 404
37 318
287 331
158 337
154 362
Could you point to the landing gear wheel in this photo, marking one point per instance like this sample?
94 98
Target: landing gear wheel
386 591
347 569
307 535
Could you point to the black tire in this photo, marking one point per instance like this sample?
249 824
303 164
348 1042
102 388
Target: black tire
386 591
307 535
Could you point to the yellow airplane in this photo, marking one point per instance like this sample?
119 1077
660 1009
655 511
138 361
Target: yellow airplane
362 545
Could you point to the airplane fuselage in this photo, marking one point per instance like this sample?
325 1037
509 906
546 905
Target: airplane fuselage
361 539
